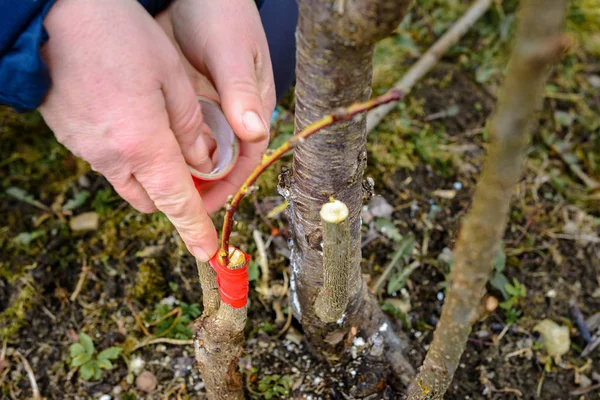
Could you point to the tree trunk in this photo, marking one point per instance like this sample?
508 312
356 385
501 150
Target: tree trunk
335 41
219 337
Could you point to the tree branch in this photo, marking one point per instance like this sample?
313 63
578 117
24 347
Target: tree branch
539 43
430 58
333 298
343 114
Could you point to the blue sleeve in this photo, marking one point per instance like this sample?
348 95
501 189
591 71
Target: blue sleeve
24 77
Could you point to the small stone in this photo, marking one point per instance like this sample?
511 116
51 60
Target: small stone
379 207
146 382
85 222
105 397
594 80
491 303
83 181
136 365
584 381
169 301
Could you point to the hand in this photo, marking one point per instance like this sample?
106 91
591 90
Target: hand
224 40
121 100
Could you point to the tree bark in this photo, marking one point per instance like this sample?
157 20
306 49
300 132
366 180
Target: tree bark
219 337
335 41
538 44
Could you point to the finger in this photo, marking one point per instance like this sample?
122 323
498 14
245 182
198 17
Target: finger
132 192
169 185
185 118
217 195
229 51
237 82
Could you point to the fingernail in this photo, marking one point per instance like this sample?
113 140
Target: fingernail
200 254
254 124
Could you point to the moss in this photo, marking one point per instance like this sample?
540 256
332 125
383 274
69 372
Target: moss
14 317
149 282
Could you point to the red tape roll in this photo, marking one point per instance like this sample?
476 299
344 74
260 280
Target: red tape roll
233 283
228 147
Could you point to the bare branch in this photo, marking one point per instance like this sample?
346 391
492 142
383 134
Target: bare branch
539 43
431 57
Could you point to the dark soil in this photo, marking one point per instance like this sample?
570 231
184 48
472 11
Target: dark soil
551 247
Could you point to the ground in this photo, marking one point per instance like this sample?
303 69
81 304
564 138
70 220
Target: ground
57 282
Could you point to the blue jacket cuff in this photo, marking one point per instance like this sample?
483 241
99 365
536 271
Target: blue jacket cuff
24 78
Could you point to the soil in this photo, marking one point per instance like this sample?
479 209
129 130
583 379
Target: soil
44 264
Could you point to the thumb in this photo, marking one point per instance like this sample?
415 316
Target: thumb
235 78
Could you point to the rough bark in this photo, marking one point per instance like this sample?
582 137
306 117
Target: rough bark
538 43
210 288
218 344
219 338
335 42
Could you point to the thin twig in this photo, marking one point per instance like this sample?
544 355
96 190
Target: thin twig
580 322
584 390
262 261
176 342
177 311
80 282
430 58
539 43
137 318
31 376
343 114
287 325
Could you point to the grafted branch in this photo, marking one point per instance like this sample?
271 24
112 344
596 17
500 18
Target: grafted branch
333 299
538 44
219 336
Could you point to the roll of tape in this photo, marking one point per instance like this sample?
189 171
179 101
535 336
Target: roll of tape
228 146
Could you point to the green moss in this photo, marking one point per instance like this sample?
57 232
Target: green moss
14 317
149 282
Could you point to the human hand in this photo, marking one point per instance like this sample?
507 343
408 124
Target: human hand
224 41
121 99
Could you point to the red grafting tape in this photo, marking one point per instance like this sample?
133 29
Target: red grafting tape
233 283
